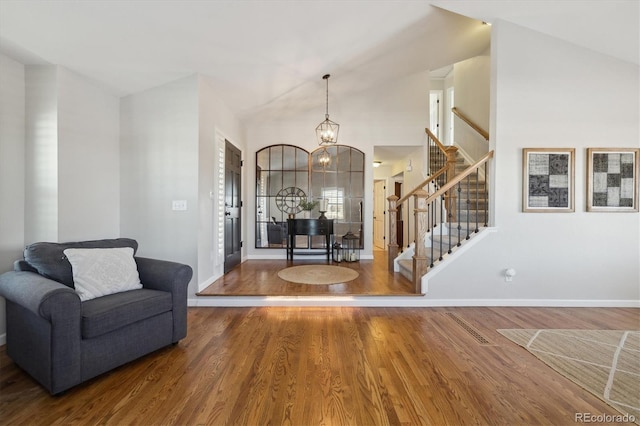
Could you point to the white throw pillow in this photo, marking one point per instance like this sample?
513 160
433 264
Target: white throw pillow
101 271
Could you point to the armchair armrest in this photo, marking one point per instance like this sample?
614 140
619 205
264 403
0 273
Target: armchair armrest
43 328
168 276
38 294
163 275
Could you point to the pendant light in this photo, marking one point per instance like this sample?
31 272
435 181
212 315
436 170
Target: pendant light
327 131
324 158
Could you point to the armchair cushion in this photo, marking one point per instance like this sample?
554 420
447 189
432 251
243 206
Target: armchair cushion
49 260
108 313
102 271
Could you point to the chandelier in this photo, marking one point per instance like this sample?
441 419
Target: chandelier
327 131
324 158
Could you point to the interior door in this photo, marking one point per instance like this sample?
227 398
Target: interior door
232 207
378 214
399 222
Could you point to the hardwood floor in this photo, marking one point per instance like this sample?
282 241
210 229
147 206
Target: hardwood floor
260 278
331 366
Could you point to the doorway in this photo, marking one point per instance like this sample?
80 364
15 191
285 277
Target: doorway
435 112
379 192
397 191
232 207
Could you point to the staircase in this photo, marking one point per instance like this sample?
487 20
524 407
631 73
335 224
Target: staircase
471 216
450 207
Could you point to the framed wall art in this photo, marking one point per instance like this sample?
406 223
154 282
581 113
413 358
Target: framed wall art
612 179
548 180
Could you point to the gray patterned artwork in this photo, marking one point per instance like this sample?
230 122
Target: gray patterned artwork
548 175
613 179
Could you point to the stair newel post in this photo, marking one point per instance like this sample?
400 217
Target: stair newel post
451 152
420 260
393 236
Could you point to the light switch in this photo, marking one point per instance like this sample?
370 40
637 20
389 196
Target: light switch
179 205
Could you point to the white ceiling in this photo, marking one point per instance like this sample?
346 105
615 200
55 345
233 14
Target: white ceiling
259 53
611 27
267 57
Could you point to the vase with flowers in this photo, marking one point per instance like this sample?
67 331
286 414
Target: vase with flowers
308 205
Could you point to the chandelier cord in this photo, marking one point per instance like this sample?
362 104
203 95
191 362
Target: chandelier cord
326 77
327 131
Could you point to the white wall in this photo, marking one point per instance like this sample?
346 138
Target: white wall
471 79
449 120
549 93
392 114
41 154
72 162
88 160
159 164
12 135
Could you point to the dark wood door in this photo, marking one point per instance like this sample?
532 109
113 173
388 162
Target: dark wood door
232 207
399 222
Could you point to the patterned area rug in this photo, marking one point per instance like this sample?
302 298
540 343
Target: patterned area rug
604 362
318 274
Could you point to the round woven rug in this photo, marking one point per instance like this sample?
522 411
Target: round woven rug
317 274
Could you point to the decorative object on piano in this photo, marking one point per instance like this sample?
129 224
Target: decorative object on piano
289 200
308 205
350 247
323 208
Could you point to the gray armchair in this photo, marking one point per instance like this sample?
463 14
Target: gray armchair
61 341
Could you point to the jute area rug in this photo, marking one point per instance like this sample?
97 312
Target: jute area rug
604 362
318 274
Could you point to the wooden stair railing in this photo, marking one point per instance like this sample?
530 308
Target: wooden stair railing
471 124
445 157
442 155
436 210
443 160
394 202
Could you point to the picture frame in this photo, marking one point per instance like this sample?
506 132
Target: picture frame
548 176
612 179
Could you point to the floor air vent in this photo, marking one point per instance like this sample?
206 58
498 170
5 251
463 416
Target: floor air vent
469 328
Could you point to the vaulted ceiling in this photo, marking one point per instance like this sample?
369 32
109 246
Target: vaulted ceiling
266 57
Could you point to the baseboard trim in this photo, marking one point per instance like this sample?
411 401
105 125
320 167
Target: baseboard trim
399 301
305 257
266 257
3 339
